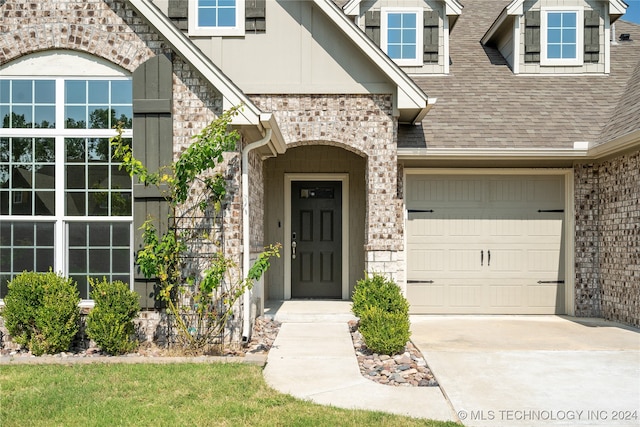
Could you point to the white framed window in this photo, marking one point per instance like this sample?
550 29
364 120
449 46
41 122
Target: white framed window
216 17
562 36
64 203
401 32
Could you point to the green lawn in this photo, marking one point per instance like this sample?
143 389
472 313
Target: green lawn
164 395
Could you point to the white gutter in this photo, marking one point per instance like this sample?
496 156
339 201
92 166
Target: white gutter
246 232
579 151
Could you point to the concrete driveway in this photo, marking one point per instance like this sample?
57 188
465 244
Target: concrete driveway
534 370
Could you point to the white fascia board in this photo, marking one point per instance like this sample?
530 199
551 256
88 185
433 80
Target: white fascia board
617 7
277 144
453 7
352 8
515 7
489 153
581 150
495 26
232 95
617 145
410 96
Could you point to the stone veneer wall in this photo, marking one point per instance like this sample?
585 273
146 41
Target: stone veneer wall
364 125
608 239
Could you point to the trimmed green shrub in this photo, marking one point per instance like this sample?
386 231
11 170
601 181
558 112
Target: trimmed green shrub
41 312
378 291
384 314
110 322
384 332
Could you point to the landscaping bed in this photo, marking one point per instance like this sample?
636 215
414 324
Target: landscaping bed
406 369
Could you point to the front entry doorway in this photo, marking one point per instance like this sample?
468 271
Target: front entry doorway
316 239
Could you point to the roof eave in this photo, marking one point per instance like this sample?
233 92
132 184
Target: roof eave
490 153
453 7
617 7
495 27
409 94
617 145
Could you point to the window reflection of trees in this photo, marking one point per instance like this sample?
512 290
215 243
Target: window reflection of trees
100 118
15 121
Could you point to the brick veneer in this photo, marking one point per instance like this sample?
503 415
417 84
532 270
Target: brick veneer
364 125
607 201
112 31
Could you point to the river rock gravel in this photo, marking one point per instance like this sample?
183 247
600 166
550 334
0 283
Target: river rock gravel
406 369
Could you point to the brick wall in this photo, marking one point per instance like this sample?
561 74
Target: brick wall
608 239
364 125
112 31
588 295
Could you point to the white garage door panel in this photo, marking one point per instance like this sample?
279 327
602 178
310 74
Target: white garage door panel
479 244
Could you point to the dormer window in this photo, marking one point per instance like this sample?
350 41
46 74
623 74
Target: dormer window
401 35
216 17
561 36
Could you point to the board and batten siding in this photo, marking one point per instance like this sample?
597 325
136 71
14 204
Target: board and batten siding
153 145
433 33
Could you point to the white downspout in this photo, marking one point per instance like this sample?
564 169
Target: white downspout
246 233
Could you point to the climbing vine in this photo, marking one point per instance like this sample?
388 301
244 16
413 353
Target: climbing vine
200 301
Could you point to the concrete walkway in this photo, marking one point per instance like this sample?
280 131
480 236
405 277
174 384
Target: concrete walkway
313 358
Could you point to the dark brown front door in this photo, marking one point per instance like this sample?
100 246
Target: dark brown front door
316 239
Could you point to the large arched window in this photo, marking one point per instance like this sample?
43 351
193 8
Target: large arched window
64 203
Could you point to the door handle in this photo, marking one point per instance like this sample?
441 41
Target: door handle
488 258
481 258
293 249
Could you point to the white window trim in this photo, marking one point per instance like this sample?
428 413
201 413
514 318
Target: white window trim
59 133
196 30
579 60
418 61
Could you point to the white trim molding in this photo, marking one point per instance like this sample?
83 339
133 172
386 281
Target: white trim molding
419 29
197 30
579 39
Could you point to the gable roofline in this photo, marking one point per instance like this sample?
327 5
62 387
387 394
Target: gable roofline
617 8
231 94
453 7
412 102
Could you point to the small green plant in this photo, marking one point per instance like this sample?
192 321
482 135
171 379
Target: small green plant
41 312
110 323
383 313
200 299
384 332
378 291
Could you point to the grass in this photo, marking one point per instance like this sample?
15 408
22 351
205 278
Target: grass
164 395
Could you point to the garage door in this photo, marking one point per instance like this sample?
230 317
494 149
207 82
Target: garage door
485 244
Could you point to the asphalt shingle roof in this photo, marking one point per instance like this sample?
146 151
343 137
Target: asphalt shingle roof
482 104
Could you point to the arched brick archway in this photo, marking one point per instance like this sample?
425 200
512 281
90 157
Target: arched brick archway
108 30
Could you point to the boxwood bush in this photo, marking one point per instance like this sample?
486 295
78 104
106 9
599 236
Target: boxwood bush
383 313
41 312
110 322
378 291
